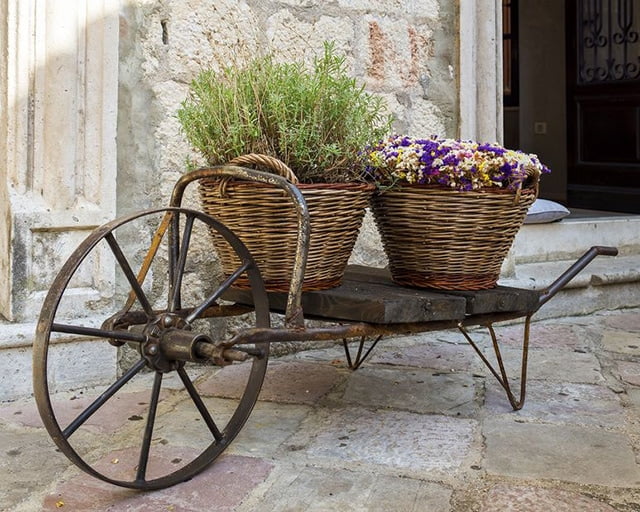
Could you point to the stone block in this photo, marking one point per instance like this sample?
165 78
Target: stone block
223 486
629 372
397 440
529 499
556 365
24 469
413 390
561 402
629 322
565 453
324 489
289 382
437 355
621 342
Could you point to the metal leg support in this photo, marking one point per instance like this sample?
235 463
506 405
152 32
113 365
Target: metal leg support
502 375
354 365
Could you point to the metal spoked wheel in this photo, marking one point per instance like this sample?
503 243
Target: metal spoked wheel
147 328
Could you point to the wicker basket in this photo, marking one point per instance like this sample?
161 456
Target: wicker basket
264 218
447 239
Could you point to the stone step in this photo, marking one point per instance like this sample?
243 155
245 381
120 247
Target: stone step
571 237
542 252
606 283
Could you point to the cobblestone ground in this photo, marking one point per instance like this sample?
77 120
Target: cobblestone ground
421 426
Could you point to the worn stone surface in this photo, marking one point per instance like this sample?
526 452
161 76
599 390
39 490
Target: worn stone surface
225 486
556 365
574 454
293 382
413 390
561 402
321 489
630 372
556 336
629 322
380 438
24 468
531 499
621 342
395 439
438 355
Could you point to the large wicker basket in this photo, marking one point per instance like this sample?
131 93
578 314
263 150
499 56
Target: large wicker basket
447 239
264 218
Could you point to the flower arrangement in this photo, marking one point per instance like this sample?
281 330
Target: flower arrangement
457 164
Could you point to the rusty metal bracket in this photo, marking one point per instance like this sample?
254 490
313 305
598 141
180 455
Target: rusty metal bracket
501 373
360 357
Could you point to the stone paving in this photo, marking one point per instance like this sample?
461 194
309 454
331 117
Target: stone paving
421 426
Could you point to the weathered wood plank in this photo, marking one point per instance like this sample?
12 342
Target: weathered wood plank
369 295
496 300
370 303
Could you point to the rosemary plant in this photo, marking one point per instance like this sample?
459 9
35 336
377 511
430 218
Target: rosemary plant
317 121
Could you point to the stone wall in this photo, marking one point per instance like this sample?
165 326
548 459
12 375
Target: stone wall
404 51
76 90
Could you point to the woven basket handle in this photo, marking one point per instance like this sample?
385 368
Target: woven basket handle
271 163
531 181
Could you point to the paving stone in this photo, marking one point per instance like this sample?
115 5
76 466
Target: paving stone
24 466
20 412
629 322
268 426
357 441
221 487
634 398
559 402
629 372
414 390
320 489
111 416
501 498
541 336
569 453
391 438
554 365
437 355
621 342
285 381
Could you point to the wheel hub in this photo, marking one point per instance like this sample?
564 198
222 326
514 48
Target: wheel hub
170 343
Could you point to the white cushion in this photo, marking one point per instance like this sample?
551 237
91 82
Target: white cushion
543 210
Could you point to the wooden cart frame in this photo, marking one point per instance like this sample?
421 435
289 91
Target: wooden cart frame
367 306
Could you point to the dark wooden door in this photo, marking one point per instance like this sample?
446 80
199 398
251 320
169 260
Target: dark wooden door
603 104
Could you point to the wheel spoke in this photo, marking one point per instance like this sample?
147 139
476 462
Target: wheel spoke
197 400
126 268
148 431
174 301
151 253
223 288
101 400
97 333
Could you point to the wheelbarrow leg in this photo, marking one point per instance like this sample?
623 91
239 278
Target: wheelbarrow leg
360 358
500 374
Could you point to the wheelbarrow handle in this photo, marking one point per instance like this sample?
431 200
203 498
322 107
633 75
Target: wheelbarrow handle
574 270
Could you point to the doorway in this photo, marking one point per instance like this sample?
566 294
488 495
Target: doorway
603 104
581 122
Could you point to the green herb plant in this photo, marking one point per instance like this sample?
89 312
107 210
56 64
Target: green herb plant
318 121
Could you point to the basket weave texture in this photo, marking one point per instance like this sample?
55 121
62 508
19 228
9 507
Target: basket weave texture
448 239
264 218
